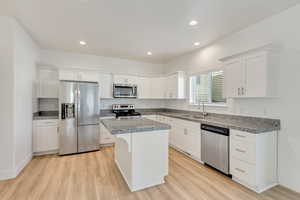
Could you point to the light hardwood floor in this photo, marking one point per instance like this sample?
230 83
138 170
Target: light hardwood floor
94 175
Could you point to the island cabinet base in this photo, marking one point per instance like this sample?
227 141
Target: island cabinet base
142 158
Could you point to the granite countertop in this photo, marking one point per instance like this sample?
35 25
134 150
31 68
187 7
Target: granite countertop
133 125
243 123
44 115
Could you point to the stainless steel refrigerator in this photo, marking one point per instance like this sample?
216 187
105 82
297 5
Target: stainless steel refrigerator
79 117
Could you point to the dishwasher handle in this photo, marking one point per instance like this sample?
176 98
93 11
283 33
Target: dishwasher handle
215 129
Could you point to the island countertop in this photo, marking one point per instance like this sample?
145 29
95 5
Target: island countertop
133 125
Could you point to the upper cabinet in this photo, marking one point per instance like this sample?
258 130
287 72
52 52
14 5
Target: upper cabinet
252 74
167 87
76 75
125 79
47 83
172 86
175 86
105 86
144 87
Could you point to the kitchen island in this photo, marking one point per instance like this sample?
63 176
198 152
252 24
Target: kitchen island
141 150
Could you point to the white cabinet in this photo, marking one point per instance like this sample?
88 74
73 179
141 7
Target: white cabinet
125 79
253 159
144 87
90 76
105 136
68 75
77 75
105 86
184 135
45 136
175 86
252 74
158 87
47 83
235 78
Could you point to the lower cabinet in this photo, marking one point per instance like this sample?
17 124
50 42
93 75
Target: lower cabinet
105 136
253 159
45 136
184 135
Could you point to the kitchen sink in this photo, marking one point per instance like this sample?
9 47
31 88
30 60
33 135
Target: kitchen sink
198 116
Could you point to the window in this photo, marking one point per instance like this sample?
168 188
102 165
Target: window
207 88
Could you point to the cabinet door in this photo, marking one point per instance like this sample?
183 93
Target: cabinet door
158 87
47 83
256 75
144 87
88 76
193 142
68 75
234 78
125 79
172 86
105 85
45 138
48 89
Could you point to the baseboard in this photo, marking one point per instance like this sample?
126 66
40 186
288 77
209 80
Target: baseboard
255 189
7 174
45 152
188 155
13 173
22 164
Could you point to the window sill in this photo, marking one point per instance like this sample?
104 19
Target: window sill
212 105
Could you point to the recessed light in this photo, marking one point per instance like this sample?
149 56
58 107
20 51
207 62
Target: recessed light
82 43
196 43
149 53
193 23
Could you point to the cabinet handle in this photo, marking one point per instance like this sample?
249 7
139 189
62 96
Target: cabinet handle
241 136
185 131
240 150
240 170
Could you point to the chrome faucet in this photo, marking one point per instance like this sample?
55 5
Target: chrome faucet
203 110
204 114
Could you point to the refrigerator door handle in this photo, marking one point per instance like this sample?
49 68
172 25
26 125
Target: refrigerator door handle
78 105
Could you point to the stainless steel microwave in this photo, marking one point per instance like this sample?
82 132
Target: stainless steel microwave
125 91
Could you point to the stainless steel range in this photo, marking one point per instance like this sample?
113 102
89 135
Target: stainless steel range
125 111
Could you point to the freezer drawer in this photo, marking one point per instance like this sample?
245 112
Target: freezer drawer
88 138
67 136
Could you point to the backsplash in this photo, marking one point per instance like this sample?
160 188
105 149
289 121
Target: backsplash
139 103
47 104
52 104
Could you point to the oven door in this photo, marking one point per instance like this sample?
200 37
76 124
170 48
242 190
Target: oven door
125 91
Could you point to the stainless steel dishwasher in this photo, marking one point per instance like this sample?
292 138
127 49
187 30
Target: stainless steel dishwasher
215 147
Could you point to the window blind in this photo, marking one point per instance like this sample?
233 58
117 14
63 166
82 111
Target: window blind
207 88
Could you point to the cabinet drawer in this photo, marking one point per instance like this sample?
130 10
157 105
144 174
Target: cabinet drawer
245 151
50 122
243 171
242 136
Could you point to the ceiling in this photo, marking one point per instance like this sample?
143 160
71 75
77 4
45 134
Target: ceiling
130 28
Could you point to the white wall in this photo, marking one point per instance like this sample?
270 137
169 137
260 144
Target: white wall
26 54
19 55
280 29
61 59
6 100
